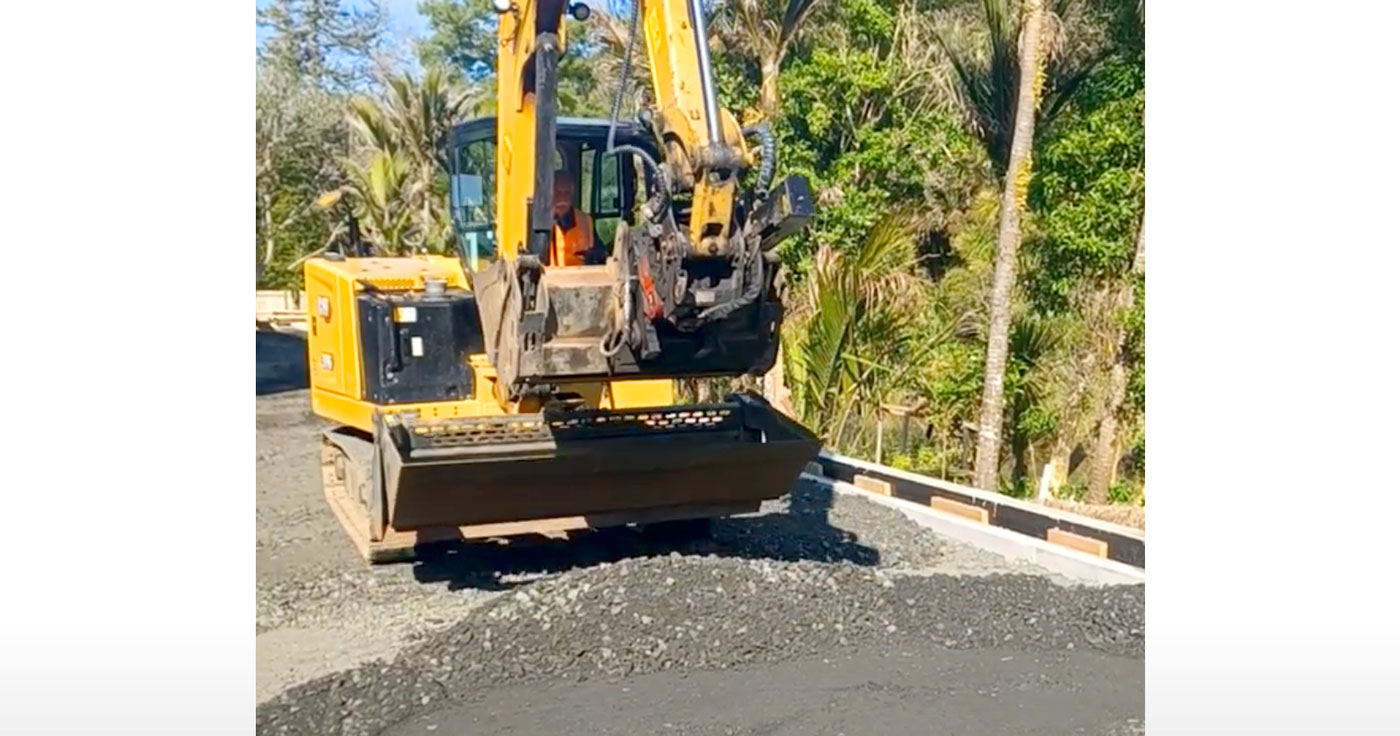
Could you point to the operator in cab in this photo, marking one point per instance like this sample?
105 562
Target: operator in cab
576 243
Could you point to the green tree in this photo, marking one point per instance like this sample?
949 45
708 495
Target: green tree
865 120
1088 195
858 329
763 31
1105 454
325 42
461 37
984 52
300 136
398 175
315 51
861 116
462 40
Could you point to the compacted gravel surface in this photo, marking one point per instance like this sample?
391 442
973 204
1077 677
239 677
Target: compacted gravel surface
823 613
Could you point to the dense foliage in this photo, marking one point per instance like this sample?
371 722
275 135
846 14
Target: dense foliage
896 111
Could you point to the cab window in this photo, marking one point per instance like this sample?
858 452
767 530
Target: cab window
473 195
601 190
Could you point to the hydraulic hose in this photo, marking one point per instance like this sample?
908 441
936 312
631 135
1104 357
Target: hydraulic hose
626 73
769 153
661 181
752 285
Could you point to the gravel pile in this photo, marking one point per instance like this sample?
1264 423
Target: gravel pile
814 523
683 612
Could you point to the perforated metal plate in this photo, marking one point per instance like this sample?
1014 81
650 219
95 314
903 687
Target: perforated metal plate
421 434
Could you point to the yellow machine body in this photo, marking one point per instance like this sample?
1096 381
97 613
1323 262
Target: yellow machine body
334 353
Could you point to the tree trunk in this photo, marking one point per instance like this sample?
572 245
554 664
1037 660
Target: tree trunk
1057 467
768 86
1106 446
775 390
1008 243
1019 445
1105 458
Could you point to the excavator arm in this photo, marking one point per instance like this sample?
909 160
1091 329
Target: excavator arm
704 146
690 288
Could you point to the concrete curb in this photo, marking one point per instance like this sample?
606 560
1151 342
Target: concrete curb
1115 542
981 495
1011 545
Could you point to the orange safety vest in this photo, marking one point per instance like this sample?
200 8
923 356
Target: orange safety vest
571 245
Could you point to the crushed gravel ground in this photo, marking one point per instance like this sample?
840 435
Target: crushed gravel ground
319 610
344 648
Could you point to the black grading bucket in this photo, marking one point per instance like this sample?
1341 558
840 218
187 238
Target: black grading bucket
575 463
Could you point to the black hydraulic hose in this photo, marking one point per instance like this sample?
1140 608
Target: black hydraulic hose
661 182
626 73
663 185
769 153
752 286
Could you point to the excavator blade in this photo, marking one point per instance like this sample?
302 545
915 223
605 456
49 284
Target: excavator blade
584 463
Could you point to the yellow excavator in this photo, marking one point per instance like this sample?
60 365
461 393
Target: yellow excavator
522 388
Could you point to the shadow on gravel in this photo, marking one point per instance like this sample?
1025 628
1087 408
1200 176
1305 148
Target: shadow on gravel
800 532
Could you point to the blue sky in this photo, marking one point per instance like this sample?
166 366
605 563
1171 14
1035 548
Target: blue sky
404 20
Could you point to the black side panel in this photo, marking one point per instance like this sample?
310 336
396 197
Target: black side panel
421 355
788 209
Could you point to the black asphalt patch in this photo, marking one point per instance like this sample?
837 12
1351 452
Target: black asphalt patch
680 613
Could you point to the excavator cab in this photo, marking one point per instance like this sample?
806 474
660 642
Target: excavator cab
609 188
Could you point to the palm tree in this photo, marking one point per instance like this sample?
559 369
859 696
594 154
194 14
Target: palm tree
764 31
855 332
1032 343
989 426
386 197
398 177
1030 66
988 75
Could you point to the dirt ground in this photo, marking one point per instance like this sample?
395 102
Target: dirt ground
1130 516
838 616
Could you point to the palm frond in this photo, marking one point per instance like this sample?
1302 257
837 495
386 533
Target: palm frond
794 17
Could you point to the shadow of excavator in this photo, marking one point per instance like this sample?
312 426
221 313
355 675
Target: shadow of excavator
797 529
